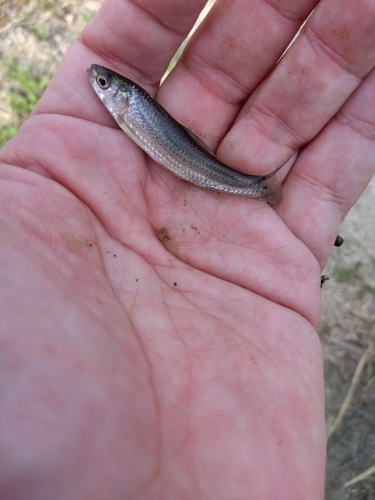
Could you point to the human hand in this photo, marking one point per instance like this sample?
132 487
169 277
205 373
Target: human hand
158 339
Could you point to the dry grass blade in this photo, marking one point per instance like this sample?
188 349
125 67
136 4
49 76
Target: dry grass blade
353 384
360 477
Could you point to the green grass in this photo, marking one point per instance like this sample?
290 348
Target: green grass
365 289
27 88
369 370
41 32
345 275
354 275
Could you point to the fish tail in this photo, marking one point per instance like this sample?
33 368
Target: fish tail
271 186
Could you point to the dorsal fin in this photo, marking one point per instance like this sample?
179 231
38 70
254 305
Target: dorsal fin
200 142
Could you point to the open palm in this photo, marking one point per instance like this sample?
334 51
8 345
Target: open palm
158 339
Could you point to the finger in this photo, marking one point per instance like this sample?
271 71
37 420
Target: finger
137 39
237 45
332 173
140 38
320 71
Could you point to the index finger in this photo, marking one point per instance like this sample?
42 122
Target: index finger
137 39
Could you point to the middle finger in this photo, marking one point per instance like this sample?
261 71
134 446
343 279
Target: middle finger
234 48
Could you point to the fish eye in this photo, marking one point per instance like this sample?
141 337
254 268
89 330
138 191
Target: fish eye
103 82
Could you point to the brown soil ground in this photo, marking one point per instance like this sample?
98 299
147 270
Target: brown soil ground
37 34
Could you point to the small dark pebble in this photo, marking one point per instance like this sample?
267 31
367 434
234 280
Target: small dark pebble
338 241
323 279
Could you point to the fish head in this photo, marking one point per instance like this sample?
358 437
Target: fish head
111 88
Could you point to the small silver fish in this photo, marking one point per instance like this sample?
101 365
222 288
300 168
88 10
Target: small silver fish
172 145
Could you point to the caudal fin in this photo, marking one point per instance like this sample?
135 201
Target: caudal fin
271 186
